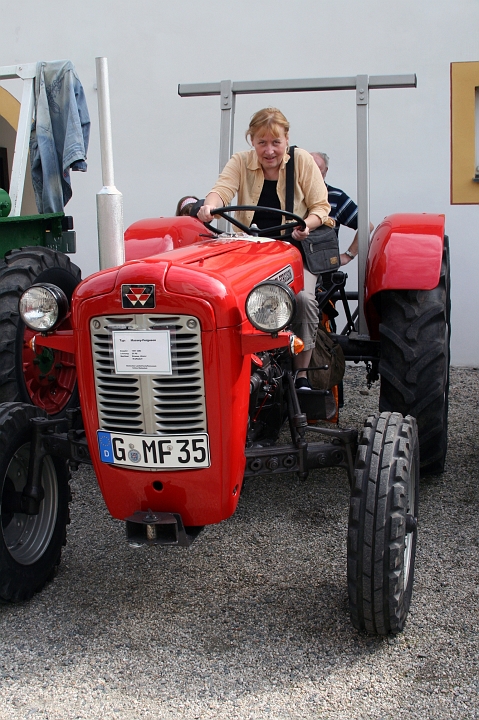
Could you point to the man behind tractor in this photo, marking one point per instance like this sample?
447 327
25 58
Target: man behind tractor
343 209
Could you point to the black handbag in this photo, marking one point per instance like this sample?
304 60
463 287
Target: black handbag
320 250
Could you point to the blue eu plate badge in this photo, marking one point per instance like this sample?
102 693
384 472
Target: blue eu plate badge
105 447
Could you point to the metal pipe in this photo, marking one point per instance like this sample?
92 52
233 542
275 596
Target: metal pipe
104 115
227 104
301 85
362 130
109 200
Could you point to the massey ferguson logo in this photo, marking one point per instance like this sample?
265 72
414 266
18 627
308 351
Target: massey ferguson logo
286 275
138 296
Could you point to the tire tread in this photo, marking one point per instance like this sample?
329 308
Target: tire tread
377 599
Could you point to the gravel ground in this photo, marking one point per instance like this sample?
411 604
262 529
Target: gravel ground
252 621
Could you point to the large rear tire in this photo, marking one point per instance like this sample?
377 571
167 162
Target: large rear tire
30 545
414 362
43 377
382 531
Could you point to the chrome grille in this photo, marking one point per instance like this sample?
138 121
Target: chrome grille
150 404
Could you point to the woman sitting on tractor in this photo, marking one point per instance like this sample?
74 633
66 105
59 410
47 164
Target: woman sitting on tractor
258 177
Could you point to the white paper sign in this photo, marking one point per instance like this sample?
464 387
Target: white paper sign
142 353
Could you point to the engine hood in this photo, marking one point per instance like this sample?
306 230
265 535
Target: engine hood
219 273
223 272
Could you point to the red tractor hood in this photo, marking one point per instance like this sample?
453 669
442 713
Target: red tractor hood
221 272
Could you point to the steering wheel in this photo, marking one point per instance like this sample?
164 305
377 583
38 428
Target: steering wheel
272 232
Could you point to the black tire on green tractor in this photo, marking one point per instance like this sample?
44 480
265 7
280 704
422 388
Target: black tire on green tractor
30 545
43 377
382 530
415 333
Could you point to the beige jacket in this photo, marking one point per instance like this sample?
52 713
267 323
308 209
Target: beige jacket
243 176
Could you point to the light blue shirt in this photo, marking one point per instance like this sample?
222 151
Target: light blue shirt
60 134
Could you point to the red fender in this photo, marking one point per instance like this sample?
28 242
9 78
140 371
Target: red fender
156 235
405 253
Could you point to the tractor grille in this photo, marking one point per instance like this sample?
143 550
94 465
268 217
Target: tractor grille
150 404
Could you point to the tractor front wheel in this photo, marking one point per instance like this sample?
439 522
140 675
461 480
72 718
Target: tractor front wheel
30 545
382 529
43 377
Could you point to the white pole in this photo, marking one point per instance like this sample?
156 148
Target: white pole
27 72
109 201
20 157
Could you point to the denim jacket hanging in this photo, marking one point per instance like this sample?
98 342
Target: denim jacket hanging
60 134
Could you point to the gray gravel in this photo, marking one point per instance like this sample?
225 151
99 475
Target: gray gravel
252 621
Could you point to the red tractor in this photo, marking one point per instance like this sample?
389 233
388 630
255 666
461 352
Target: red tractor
184 375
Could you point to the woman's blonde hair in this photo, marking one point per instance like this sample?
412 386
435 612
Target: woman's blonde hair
268 119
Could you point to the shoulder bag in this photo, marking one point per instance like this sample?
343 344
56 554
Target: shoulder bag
320 250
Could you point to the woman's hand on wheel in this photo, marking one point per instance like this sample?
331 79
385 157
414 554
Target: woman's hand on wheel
298 234
204 213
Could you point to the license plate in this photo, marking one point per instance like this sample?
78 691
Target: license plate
155 452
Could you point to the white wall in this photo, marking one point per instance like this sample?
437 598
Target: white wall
166 146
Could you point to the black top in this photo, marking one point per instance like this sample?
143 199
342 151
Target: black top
268 198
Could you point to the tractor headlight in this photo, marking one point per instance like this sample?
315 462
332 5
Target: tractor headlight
270 306
42 307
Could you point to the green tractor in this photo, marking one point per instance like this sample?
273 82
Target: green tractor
33 248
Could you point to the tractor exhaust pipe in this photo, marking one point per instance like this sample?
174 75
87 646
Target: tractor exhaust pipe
109 201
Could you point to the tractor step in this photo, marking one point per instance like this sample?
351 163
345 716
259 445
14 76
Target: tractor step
159 528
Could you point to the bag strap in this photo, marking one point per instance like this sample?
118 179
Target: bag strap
289 200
